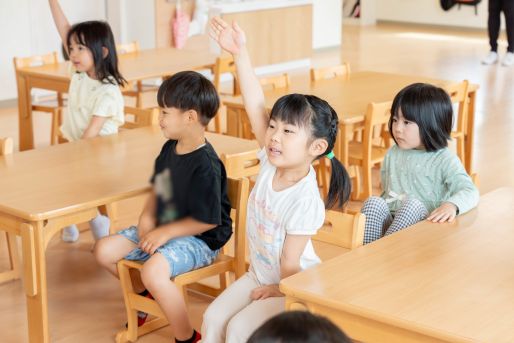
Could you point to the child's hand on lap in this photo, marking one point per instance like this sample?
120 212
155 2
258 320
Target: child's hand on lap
444 213
151 241
263 292
230 38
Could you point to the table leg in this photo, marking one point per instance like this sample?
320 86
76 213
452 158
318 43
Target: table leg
37 304
25 129
468 141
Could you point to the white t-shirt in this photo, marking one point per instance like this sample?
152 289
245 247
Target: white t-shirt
297 210
88 97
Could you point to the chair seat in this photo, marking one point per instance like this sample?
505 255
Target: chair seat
327 251
356 154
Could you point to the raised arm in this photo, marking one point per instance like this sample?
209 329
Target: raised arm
61 23
232 39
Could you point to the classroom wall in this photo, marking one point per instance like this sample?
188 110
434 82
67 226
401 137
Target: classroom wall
430 12
326 23
26 28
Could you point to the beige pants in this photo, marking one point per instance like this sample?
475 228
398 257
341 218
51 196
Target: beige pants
233 316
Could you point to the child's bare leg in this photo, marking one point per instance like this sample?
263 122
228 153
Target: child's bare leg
109 250
156 277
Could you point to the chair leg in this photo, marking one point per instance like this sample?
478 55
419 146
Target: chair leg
54 134
14 262
367 186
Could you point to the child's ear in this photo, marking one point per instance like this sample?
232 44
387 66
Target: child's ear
192 116
105 52
318 147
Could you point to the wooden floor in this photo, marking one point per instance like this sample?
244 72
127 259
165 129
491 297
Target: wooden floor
85 303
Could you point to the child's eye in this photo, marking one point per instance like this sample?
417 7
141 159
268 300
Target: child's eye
406 122
394 120
288 131
271 126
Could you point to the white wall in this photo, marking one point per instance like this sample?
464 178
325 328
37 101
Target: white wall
430 12
326 23
26 28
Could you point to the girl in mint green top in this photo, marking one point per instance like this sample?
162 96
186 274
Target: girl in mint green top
421 177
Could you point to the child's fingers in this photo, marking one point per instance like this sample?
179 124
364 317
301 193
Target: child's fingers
236 27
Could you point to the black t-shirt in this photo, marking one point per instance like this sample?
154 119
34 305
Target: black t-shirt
193 185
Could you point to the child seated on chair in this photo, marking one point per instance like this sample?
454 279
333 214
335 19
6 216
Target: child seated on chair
186 219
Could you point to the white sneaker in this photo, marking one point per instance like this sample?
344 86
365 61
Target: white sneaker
491 58
508 60
70 234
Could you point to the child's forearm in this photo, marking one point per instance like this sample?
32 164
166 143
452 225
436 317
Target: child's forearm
94 128
288 268
185 227
61 23
253 95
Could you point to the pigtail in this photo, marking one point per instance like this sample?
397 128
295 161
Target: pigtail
340 185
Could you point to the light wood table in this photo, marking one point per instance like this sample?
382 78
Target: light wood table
145 64
428 283
44 190
350 98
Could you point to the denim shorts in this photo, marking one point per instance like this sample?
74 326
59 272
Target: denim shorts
183 254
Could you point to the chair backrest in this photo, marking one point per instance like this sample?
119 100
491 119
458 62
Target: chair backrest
238 192
38 60
475 179
6 146
140 117
274 82
459 93
225 64
243 164
340 233
342 70
375 124
127 48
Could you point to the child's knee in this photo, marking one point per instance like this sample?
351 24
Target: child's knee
373 203
155 272
237 330
213 320
103 252
414 205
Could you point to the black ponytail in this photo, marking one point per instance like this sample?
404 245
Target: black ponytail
311 111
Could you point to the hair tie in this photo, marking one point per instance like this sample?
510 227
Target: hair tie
330 155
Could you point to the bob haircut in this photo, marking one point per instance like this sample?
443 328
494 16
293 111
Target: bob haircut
189 90
428 106
96 35
298 327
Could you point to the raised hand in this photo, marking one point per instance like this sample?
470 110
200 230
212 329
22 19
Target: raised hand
230 38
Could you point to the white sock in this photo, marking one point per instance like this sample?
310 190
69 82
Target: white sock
70 234
100 226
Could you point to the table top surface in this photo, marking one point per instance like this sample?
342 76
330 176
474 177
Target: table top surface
48 182
143 64
350 95
456 279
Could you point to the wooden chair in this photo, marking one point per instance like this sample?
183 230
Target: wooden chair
275 82
365 154
459 94
245 164
6 148
54 109
475 179
139 117
341 233
224 64
134 89
238 195
342 70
